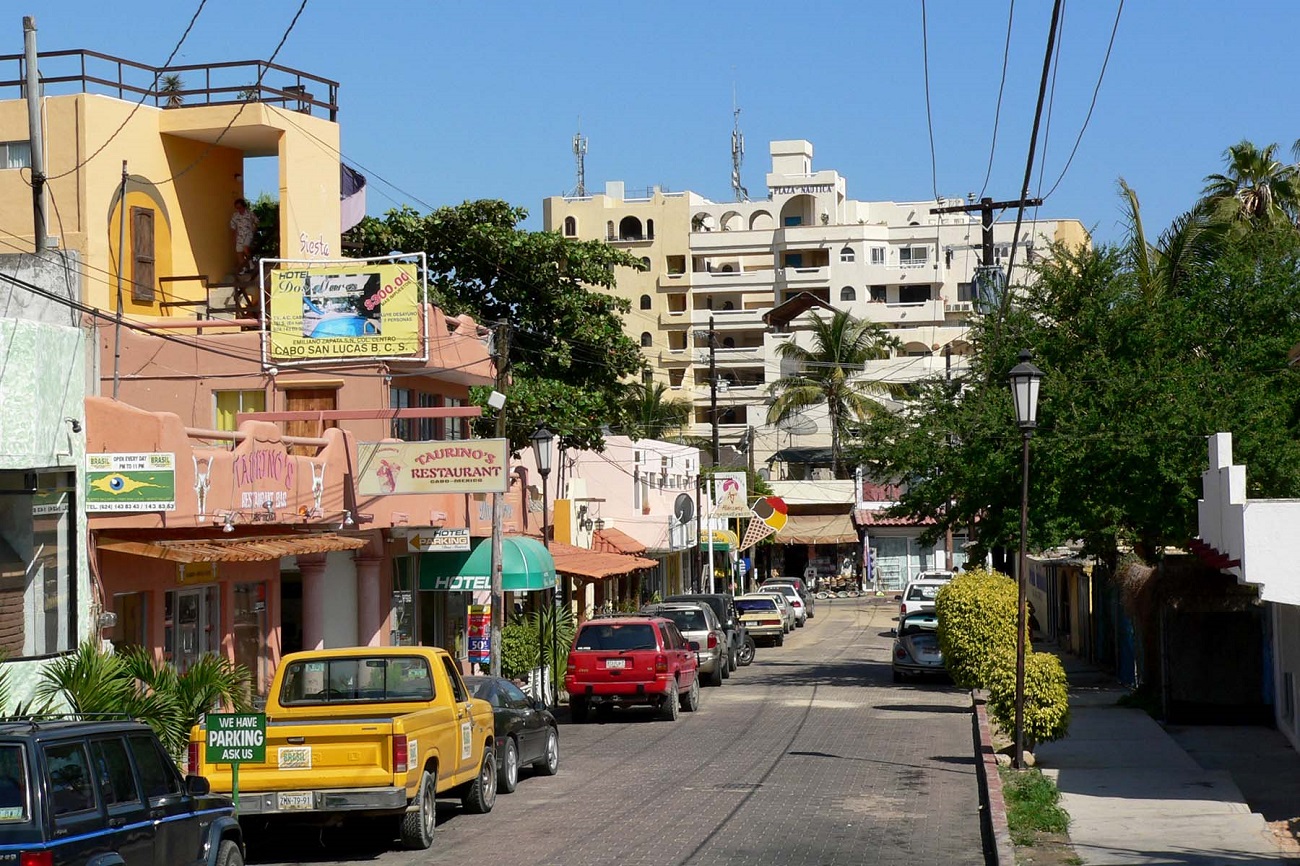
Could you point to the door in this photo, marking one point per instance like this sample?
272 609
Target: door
177 836
74 811
192 623
142 255
308 400
464 751
128 814
532 728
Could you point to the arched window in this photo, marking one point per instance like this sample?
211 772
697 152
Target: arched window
609 231
847 294
728 343
846 254
629 229
646 340
645 302
728 305
645 260
570 227
650 229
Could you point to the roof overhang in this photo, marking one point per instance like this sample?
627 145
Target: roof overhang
253 549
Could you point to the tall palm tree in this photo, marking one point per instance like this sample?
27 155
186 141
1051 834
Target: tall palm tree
1256 188
841 347
650 414
1191 240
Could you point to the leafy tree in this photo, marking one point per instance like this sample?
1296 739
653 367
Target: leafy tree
569 355
827 375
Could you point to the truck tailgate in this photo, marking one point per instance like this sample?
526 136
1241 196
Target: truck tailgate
315 754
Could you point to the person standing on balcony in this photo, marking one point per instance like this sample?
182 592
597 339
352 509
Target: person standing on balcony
242 225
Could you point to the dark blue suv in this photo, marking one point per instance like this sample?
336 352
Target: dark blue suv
75 792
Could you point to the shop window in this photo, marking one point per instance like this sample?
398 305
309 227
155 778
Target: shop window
38 590
132 620
403 632
191 624
248 619
230 403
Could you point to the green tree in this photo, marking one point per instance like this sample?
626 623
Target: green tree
650 414
829 373
569 355
1256 187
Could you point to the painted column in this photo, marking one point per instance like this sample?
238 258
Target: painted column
312 567
370 610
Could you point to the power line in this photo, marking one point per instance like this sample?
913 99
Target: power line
997 112
1096 90
929 120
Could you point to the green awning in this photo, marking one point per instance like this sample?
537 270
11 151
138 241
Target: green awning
526 565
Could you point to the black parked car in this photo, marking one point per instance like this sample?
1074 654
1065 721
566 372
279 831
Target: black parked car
526 731
724 605
76 792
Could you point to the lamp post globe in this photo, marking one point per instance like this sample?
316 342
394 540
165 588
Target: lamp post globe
543 440
1025 378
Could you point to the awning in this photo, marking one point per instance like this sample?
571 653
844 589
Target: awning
587 564
254 549
812 455
818 529
722 540
525 566
616 541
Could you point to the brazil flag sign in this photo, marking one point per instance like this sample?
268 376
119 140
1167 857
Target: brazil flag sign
130 482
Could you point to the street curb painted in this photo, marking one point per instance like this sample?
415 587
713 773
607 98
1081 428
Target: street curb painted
998 849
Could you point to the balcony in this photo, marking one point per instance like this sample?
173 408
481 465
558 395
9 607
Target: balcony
673 282
802 278
924 313
734 281
675 319
729 319
676 357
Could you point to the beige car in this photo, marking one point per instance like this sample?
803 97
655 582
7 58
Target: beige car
762 615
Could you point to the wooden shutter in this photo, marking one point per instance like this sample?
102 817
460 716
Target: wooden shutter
308 400
142 255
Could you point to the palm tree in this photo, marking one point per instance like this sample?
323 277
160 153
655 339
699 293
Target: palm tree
171 86
1257 188
650 414
841 347
1191 240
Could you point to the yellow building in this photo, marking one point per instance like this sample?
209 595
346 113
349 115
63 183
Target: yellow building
185 162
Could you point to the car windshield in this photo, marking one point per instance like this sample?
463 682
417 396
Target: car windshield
356 680
617 636
755 605
481 688
687 620
13 787
922 592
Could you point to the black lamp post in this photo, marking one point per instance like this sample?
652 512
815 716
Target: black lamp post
1025 379
543 439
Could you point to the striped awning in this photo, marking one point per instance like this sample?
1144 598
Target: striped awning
255 549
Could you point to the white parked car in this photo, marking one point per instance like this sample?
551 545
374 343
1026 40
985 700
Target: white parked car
792 597
919 596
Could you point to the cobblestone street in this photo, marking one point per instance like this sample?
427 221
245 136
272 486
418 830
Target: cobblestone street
809 756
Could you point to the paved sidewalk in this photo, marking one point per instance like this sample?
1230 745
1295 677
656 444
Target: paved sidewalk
1135 796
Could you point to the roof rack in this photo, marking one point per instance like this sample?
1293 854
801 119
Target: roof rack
35 719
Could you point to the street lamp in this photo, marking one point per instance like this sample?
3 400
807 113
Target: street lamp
543 440
1025 379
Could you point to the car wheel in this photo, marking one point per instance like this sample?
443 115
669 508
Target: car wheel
780 640
482 793
853 593
734 660
668 710
417 826
578 710
691 702
728 665
550 765
746 655
798 623
229 854
715 678
508 778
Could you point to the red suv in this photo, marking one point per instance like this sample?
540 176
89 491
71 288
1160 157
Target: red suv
632 660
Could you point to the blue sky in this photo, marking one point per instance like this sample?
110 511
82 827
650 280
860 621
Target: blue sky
453 101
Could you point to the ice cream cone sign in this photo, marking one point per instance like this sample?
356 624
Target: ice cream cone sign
772 510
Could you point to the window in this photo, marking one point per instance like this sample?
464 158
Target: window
878 294
142 255
965 291
455 427
15 154
400 398
794 260
847 294
38 597
230 403
114 776
647 377
846 254
650 229
912 257
158 774
71 787
365 679
645 260
570 227
877 255
647 340
13 783
913 294
457 684
676 265
645 302
792 221
728 342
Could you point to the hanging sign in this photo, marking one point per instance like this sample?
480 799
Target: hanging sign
461 466
480 634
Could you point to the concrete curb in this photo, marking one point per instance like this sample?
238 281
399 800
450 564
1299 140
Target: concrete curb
998 848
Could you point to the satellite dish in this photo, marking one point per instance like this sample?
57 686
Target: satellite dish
797 425
684 508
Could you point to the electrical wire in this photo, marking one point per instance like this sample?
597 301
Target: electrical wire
1096 90
997 111
929 119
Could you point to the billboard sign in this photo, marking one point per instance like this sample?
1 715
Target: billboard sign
458 466
729 494
131 482
359 310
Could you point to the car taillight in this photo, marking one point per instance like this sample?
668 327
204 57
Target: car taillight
900 653
794 602
36 858
192 758
400 755
661 664
713 640
902 608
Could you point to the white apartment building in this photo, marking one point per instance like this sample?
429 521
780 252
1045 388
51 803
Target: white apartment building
759 270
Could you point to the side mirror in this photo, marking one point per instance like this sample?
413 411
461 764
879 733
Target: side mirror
694 645
898 598
197 786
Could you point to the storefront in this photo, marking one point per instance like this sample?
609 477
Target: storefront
823 549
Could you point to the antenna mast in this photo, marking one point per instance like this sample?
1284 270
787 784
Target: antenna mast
580 159
737 150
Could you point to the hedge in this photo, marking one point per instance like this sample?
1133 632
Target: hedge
1047 699
977 626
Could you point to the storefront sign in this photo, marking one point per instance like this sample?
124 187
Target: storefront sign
437 540
131 482
469 466
456 583
480 634
341 311
729 495
235 738
189 573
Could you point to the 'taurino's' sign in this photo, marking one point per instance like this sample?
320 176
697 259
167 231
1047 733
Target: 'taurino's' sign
467 466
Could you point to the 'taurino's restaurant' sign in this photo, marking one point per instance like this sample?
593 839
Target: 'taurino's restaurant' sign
468 466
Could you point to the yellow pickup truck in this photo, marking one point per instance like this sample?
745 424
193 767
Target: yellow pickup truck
367 733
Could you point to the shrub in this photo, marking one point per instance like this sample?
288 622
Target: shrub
977 626
518 649
1047 699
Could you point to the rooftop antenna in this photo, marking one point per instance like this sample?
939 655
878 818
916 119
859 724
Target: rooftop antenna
737 150
580 159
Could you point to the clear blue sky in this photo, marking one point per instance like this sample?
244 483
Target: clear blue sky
460 100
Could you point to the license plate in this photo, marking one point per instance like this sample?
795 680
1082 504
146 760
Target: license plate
615 664
289 801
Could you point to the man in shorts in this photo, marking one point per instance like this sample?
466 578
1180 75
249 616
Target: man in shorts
242 224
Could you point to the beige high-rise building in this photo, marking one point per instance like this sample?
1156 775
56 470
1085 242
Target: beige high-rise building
760 270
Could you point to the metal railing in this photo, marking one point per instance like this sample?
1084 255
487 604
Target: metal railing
233 82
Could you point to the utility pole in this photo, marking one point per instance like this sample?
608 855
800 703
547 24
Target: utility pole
34 131
713 393
498 506
947 375
985 208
